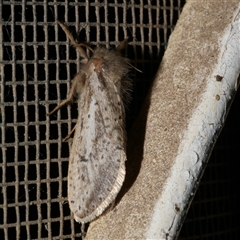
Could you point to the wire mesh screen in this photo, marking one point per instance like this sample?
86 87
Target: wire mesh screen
37 65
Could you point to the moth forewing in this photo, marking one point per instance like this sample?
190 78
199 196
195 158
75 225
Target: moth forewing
98 151
98 154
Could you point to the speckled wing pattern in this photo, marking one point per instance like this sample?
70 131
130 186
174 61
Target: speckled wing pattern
98 154
97 159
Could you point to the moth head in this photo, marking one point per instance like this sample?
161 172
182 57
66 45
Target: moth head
108 62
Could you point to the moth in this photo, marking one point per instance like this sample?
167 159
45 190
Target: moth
98 153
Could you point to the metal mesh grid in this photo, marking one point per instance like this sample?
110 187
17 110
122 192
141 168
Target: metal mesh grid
37 65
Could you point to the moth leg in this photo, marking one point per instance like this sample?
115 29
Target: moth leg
70 134
78 46
74 90
63 103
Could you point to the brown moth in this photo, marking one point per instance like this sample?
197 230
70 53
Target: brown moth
98 154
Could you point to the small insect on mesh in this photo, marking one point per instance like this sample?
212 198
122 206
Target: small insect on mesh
37 65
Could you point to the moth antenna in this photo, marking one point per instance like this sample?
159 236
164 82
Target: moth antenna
122 45
78 46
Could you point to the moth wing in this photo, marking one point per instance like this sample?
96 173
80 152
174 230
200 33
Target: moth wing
97 159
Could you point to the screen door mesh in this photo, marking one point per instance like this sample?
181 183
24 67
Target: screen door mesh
36 67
